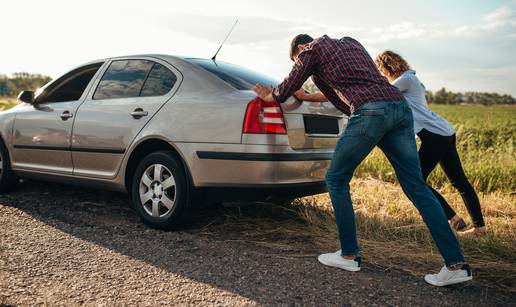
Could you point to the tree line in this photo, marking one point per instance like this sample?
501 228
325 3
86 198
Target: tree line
19 81
443 96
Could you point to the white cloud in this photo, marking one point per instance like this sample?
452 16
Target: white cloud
253 30
431 40
502 19
497 71
250 29
403 30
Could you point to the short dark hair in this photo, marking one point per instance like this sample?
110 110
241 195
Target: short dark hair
300 39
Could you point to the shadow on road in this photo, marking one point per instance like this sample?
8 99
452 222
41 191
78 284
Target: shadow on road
265 269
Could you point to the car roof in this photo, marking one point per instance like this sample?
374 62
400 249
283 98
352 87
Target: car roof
169 57
181 62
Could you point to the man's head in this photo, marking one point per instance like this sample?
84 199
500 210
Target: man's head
298 44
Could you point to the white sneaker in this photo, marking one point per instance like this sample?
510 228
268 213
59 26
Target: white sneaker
336 260
446 277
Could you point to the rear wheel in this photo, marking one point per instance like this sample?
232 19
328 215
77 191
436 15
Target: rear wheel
8 180
159 191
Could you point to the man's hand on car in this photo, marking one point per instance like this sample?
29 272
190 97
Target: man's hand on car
264 92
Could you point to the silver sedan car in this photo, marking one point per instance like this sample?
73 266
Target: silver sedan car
171 131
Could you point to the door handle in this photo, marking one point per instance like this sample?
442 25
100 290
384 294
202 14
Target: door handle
139 112
66 115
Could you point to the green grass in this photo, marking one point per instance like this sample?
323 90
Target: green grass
486 143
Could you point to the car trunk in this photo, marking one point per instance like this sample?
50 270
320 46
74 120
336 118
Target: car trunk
300 125
312 125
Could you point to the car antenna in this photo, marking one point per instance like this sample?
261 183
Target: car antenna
231 30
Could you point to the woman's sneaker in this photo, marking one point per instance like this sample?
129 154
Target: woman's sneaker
336 260
446 277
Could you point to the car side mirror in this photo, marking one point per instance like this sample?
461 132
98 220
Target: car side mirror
26 96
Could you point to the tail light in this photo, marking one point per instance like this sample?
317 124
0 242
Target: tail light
264 117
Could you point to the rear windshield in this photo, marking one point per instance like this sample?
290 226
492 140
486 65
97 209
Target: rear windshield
239 77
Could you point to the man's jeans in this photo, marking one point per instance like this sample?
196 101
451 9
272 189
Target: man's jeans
389 125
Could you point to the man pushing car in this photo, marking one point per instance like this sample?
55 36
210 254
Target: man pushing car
379 116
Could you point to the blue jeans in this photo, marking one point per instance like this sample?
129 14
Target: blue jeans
388 125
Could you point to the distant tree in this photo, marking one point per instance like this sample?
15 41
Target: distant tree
507 99
4 85
443 96
429 96
20 81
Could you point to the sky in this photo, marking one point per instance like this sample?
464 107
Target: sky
463 45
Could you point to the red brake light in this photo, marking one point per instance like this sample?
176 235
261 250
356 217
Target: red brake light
264 117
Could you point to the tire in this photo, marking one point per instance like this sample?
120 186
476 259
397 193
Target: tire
8 180
161 202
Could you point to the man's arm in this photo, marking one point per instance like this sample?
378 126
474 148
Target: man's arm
315 97
303 68
265 93
330 94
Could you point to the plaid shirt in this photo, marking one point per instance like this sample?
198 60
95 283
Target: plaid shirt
343 71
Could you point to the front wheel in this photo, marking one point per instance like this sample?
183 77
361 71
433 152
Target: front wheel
159 191
8 179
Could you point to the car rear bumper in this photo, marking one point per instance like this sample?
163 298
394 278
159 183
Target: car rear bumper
261 192
269 157
254 166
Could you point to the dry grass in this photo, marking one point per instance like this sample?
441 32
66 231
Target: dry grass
7 103
391 232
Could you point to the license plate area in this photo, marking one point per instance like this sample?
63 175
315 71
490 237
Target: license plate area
323 126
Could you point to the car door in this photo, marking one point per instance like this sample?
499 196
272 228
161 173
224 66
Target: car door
129 93
42 130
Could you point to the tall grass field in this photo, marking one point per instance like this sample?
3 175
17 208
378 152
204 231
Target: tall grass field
486 138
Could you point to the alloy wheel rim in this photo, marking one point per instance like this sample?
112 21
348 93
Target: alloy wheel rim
157 191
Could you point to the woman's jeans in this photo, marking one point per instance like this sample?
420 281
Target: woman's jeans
388 125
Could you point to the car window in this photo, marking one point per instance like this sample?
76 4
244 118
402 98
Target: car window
239 77
69 87
123 79
159 81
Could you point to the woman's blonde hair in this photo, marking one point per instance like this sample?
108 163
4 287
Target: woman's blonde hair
392 62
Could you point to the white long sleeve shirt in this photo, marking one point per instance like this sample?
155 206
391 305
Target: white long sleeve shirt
414 92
